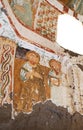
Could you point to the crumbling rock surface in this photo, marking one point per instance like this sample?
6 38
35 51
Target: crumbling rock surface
5 113
80 66
71 53
45 116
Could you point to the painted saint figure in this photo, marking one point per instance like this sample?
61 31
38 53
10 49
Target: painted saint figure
55 80
54 72
33 89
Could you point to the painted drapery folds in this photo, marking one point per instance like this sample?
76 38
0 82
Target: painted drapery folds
7 54
25 10
31 81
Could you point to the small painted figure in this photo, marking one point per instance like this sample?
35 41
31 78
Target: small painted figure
54 79
55 72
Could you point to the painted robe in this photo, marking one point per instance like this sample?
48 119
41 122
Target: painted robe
33 89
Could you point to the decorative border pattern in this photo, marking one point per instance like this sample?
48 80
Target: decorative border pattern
7 55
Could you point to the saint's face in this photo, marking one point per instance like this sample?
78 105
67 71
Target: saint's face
33 59
55 65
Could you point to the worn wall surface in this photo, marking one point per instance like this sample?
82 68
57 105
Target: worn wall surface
51 88
76 5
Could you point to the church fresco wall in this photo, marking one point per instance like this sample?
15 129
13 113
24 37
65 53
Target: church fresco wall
63 85
42 90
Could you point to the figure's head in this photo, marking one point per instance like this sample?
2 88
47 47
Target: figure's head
33 57
55 65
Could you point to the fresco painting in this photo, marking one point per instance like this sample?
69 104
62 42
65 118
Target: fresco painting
19 85
32 79
7 55
37 75
46 22
25 11
37 15
77 5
